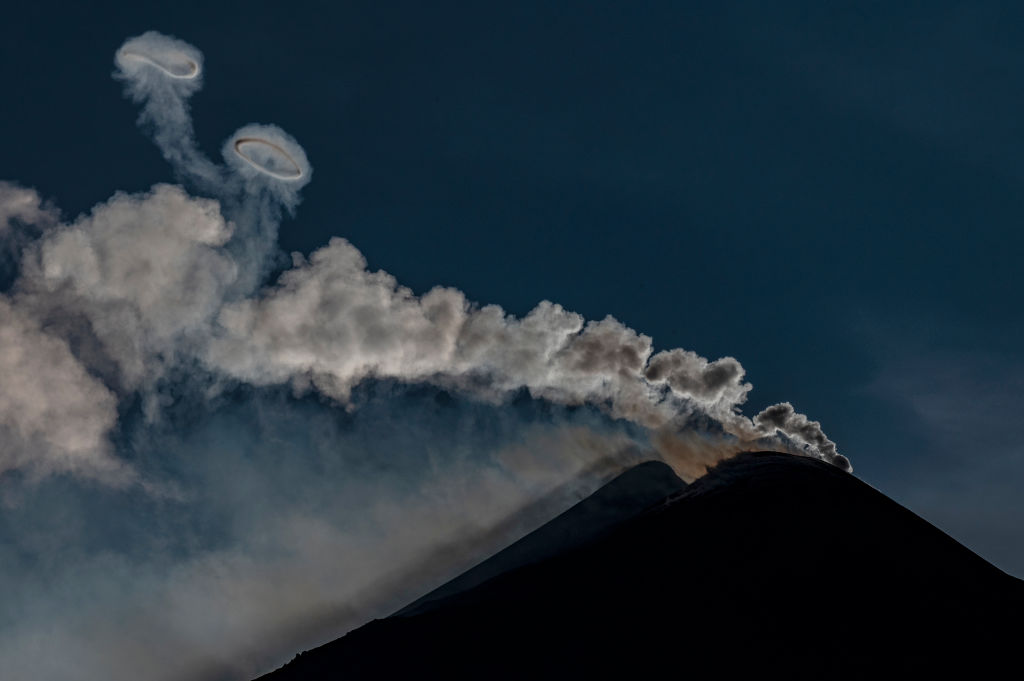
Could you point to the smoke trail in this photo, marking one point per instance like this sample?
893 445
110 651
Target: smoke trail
329 323
142 350
296 528
161 73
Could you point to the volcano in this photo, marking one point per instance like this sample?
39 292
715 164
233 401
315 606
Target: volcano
771 565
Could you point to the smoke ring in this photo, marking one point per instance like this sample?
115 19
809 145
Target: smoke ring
242 142
165 65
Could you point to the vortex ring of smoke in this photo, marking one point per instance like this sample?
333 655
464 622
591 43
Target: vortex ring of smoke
242 142
170 68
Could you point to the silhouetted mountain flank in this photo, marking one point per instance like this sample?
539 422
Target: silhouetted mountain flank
629 494
773 565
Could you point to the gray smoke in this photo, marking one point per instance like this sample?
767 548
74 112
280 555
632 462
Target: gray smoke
161 73
241 461
783 418
23 217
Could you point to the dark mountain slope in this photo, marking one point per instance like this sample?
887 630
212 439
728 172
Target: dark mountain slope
627 495
773 565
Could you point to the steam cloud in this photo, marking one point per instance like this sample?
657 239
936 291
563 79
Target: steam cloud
120 322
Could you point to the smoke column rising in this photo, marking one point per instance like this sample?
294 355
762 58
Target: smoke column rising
139 341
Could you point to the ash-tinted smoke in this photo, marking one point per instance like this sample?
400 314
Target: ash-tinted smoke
785 419
144 358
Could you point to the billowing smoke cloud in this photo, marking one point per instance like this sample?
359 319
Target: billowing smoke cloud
54 416
259 443
140 279
783 418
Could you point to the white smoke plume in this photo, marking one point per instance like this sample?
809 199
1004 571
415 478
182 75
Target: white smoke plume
54 416
154 311
141 276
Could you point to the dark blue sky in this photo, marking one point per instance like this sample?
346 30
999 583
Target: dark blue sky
830 194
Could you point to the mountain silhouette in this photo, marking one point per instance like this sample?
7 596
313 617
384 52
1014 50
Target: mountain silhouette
630 493
771 564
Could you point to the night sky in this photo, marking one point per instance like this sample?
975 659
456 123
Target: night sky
829 192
